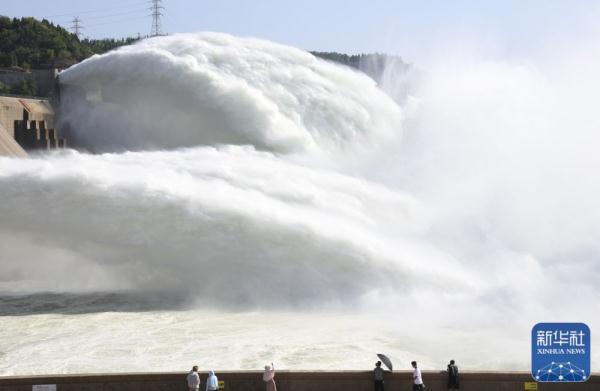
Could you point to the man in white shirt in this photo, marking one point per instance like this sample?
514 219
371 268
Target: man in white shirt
417 379
193 379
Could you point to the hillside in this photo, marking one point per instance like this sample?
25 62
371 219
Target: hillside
29 43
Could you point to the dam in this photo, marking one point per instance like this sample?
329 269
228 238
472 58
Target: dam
27 124
292 381
30 123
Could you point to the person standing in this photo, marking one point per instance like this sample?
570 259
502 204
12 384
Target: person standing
417 378
212 382
452 376
378 376
269 377
193 379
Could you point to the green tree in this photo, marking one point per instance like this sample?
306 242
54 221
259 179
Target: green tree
25 87
30 43
6 60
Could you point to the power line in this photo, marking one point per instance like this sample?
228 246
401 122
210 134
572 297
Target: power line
76 26
116 21
137 11
101 10
156 14
112 18
124 12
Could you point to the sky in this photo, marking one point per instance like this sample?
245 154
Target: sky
407 28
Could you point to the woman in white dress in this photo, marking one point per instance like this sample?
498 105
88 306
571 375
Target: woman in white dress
269 377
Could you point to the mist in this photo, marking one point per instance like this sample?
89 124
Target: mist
450 208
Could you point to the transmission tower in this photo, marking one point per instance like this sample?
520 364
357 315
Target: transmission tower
76 26
156 10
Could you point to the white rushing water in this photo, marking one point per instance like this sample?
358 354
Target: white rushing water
248 203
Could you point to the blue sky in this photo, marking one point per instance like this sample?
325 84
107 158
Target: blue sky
408 28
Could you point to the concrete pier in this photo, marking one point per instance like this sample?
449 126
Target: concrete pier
293 381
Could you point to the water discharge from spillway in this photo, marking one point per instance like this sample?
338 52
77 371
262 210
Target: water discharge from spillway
188 90
246 201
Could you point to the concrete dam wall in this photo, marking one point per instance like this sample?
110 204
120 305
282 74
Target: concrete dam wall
292 381
27 124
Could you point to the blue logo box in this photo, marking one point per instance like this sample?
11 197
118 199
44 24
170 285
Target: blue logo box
560 352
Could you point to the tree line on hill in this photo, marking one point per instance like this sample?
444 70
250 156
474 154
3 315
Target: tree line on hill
27 43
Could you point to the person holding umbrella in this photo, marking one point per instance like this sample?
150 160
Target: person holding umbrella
378 376
378 371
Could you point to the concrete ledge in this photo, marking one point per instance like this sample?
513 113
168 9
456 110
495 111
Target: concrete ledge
289 381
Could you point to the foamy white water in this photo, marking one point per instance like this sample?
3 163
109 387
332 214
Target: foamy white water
297 226
171 340
190 89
